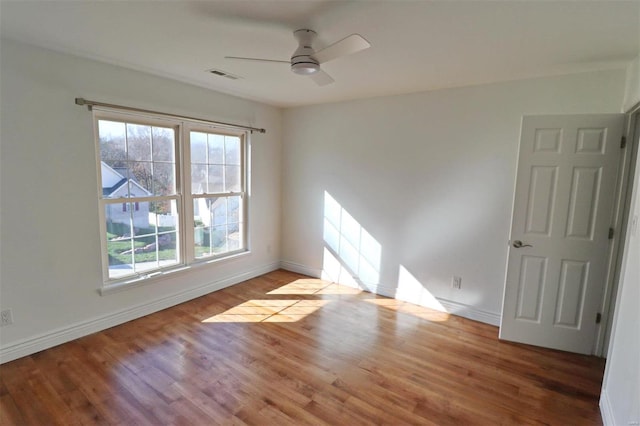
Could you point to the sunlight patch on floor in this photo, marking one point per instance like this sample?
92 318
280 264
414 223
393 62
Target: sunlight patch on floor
310 286
409 308
301 286
269 310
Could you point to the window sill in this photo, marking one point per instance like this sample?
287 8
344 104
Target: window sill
115 286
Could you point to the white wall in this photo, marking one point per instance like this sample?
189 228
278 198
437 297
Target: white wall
632 92
50 260
429 176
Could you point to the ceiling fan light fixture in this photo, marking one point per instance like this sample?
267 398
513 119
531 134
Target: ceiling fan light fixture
305 68
306 61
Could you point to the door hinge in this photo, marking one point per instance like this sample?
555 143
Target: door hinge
611 232
598 318
623 142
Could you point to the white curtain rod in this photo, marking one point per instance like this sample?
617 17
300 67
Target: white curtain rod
90 104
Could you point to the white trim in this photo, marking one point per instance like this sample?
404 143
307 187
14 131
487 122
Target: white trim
65 334
455 308
156 275
470 312
606 411
301 269
56 337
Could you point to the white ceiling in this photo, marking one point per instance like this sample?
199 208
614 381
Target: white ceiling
416 45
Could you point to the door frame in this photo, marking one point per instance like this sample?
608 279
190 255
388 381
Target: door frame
620 224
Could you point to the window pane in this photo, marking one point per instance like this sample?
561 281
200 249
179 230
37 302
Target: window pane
234 236
134 165
216 149
198 179
215 179
219 239
168 253
118 219
218 225
141 179
141 224
232 181
111 135
164 180
163 144
201 237
198 147
163 215
203 220
218 211
120 258
154 235
146 252
232 150
234 209
119 243
114 179
138 142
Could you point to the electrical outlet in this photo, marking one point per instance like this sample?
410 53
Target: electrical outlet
6 317
456 282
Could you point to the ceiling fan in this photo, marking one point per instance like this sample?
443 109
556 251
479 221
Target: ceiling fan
306 61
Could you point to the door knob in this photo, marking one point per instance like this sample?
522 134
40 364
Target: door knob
518 244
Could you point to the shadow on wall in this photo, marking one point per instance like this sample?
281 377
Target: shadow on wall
352 257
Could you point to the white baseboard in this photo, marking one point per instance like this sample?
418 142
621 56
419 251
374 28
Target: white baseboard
470 312
62 335
606 411
301 269
455 308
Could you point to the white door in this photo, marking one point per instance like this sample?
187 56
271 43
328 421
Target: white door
559 245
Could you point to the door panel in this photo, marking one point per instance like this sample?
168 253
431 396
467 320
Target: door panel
531 285
563 205
571 293
583 205
541 196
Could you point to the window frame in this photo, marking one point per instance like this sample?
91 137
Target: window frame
184 198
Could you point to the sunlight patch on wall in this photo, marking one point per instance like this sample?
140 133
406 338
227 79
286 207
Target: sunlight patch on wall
351 255
333 270
411 290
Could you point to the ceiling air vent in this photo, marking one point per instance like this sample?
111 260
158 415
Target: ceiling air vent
224 74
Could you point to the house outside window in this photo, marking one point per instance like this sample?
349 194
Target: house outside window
172 194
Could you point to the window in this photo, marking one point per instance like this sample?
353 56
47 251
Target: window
154 218
216 187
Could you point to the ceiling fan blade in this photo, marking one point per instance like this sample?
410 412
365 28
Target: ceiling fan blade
348 45
322 78
256 59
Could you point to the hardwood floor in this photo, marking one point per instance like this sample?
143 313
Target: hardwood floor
286 349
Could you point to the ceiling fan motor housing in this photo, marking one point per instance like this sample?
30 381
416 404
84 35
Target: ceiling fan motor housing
302 61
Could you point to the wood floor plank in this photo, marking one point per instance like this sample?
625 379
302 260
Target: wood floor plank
9 412
288 349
